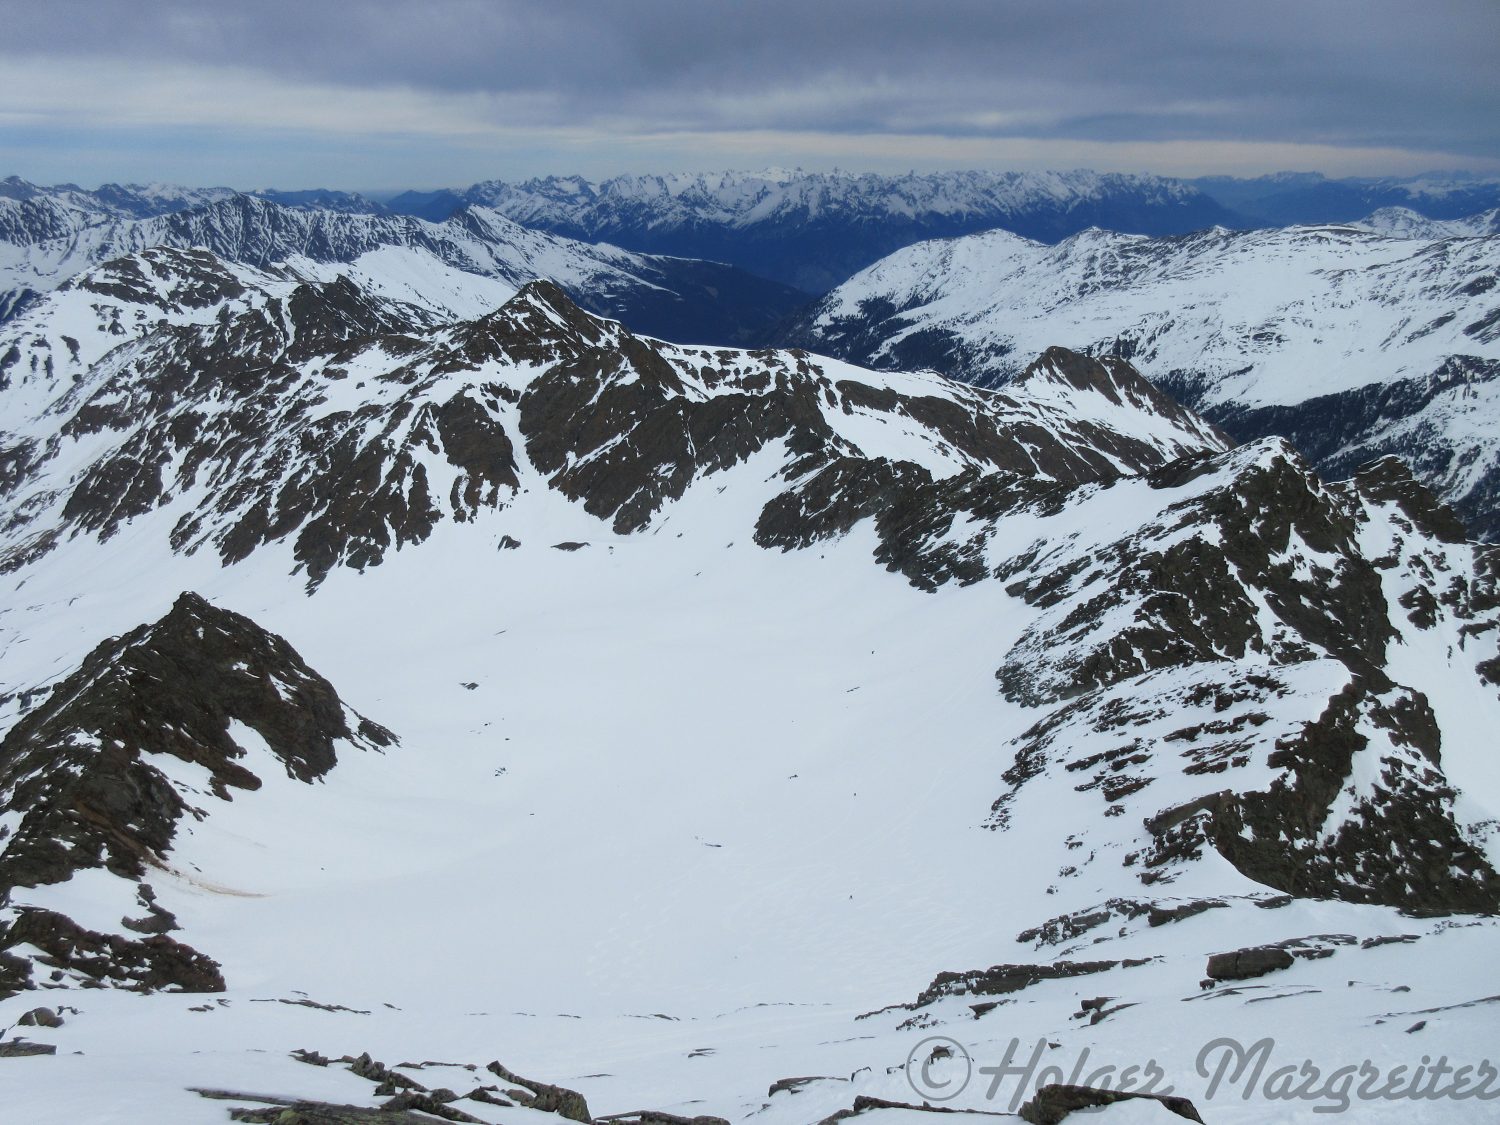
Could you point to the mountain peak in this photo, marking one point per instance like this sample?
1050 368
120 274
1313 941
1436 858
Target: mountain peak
1060 370
544 293
542 312
1086 373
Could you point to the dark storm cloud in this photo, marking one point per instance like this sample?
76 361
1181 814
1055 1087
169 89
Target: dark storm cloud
1369 73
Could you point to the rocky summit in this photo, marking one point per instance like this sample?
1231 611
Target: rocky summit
413 682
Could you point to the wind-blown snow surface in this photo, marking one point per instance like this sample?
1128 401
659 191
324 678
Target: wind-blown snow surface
670 811
1353 344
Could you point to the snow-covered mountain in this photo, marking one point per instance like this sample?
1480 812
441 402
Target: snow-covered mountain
44 241
814 229
1403 222
144 201
510 717
1352 344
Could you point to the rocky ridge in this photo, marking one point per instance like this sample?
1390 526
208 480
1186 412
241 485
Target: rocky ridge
432 428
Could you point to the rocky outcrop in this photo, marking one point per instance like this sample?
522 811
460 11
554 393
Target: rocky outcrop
661 1117
1246 964
90 772
1067 927
545 1097
21 1048
865 1103
1056 1102
66 951
1002 980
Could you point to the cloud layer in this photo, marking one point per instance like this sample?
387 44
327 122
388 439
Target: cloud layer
1373 85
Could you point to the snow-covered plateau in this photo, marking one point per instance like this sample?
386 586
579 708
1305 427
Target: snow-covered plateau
437 696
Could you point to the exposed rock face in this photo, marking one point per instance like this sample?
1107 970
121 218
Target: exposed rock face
661 1117
1001 980
20 1048
545 1097
1253 561
394 1112
90 772
226 406
70 951
1213 645
409 1100
1245 964
864 1103
1067 927
626 425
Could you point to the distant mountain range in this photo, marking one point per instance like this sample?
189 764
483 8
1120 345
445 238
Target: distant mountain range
50 235
1289 198
813 229
144 201
1351 343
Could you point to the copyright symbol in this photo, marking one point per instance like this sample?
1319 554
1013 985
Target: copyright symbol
938 1068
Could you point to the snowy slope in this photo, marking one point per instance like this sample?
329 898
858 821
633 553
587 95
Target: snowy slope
813 229
43 242
697 707
1353 344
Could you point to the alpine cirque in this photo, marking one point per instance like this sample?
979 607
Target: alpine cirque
421 692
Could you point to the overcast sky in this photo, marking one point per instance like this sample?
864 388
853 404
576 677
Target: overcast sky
380 94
